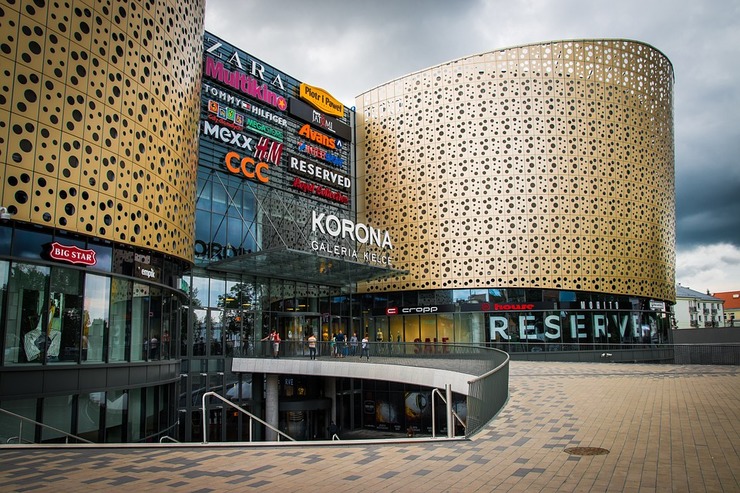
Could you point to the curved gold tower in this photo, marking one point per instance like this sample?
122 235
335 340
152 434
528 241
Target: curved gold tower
99 106
545 166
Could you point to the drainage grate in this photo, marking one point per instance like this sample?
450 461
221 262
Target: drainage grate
586 451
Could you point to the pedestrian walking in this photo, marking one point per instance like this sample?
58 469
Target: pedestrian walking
365 348
312 346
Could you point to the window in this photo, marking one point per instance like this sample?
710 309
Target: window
27 320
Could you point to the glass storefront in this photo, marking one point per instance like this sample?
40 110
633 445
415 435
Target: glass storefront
118 310
134 415
518 320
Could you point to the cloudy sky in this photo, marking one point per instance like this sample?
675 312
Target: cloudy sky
348 47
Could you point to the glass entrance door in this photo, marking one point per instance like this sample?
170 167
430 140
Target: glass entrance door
294 329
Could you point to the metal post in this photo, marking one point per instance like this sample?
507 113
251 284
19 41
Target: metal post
450 422
434 417
205 417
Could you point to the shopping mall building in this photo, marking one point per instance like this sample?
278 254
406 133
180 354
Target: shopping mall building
169 198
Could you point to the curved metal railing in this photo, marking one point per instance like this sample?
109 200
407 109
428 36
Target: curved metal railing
487 395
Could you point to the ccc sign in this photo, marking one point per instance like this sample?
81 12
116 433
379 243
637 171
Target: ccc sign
247 167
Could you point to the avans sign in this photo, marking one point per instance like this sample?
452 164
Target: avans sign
72 254
321 100
311 134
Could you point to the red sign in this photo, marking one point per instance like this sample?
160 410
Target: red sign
72 254
498 307
391 311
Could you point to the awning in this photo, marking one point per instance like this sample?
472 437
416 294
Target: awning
302 266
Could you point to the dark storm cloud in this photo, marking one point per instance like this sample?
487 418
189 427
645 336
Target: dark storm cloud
350 47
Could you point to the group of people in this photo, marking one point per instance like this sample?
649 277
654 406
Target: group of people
338 344
339 348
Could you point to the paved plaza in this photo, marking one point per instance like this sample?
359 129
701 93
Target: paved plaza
666 428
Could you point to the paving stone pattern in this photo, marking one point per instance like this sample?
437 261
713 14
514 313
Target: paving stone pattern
667 428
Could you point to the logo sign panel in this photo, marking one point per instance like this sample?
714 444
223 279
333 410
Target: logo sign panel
420 310
226 113
238 165
321 100
148 272
658 306
302 111
318 172
72 254
214 92
244 84
319 191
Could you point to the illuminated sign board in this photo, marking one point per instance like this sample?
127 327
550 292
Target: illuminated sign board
243 83
72 254
227 135
247 167
229 117
256 69
311 134
302 111
317 171
264 149
145 271
345 228
414 310
321 100
319 191
321 154
243 105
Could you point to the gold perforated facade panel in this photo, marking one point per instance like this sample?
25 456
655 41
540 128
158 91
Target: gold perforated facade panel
99 105
543 166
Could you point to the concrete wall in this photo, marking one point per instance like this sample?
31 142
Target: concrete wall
719 335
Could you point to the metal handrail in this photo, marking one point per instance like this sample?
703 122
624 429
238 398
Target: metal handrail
494 370
23 418
160 432
20 440
244 411
450 414
167 438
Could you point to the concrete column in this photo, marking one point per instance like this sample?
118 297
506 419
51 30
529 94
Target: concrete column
272 415
258 391
330 391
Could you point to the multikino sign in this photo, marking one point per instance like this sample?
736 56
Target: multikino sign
344 228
